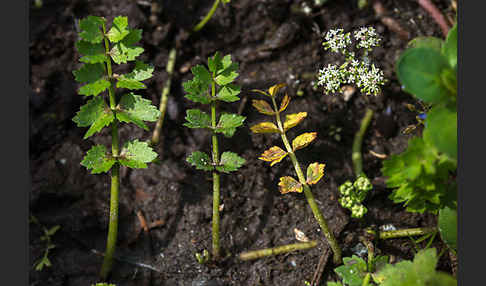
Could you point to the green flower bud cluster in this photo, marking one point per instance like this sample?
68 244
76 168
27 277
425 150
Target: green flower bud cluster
353 194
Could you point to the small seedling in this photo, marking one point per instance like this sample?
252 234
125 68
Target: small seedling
99 48
353 194
356 69
202 88
47 237
275 154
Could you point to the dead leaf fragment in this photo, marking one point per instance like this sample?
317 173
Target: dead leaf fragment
300 235
285 102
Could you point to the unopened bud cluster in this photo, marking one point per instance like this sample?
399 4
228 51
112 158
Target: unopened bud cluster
353 194
366 76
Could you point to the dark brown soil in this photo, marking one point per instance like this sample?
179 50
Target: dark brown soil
255 214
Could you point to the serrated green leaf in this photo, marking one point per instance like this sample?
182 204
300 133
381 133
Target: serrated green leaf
426 42
215 63
89 73
449 49
98 160
201 74
420 272
448 227
229 93
288 184
441 130
353 271
132 80
91 29
197 91
135 109
197 119
105 118
93 53
119 29
201 161
230 162
228 71
94 88
125 51
419 71
94 113
135 154
228 122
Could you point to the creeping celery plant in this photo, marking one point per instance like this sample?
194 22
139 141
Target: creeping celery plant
355 70
275 154
202 88
98 49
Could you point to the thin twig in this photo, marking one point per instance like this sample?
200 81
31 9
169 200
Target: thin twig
436 15
255 254
357 143
320 267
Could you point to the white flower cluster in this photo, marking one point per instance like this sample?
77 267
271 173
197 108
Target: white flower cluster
336 40
367 77
367 38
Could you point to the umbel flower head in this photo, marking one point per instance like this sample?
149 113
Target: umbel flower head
359 71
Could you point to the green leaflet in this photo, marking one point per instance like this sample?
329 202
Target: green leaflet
98 160
228 123
136 154
125 51
93 75
449 49
420 272
197 119
229 93
91 29
230 162
119 29
135 109
201 161
94 113
448 227
353 271
441 130
132 80
228 72
93 53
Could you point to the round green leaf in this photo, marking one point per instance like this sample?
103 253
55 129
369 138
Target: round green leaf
419 71
449 49
441 130
426 42
448 226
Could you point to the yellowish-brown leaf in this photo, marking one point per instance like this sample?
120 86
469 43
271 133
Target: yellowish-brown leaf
260 91
315 172
274 88
274 155
289 185
284 103
293 119
265 127
263 107
303 140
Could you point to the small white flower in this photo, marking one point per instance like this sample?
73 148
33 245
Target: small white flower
336 40
330 78
367 38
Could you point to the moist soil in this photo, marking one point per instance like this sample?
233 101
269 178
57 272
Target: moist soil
273 41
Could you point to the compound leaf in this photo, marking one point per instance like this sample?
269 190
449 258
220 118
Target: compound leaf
135 109
289 185
315 172
98 160
230 162
197 119
135 154
119 29
285 102
441 130
449 49
132 80
229 93
303 140
228 122
91 29
353 271
265 127
93 53
419 71
448 227
263 107
292 120
274 155
201 161
275 88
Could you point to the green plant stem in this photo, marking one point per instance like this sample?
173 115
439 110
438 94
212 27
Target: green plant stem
216 189
307 191
207 17
403 232
163 99
250 255
366 280
115 172
358 140
371 254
